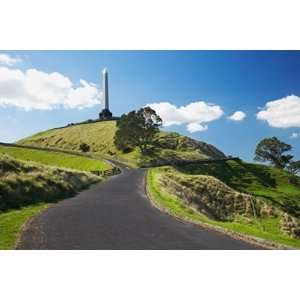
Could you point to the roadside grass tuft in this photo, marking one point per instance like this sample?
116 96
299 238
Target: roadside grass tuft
12 221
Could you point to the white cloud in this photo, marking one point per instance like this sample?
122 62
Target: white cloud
8 60
34 89
237 116
282 113
195 115
195 127
295 135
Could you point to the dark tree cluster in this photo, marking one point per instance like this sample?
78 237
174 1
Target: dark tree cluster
137 129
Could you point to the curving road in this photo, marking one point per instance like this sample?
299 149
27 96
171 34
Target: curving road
117 214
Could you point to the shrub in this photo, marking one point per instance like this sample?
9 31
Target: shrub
84 147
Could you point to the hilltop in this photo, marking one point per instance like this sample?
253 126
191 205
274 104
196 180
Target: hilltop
100 137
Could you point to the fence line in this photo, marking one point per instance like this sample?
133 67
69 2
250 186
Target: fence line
106 173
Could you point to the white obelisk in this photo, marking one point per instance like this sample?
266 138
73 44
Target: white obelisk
105 114
105 89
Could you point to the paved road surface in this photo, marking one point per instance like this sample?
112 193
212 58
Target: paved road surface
116 214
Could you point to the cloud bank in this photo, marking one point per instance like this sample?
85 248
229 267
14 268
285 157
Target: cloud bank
195 115
8 60
34 89
237 116
295 135
282 113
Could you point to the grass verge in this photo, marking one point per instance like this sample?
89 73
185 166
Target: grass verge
262 228
12 221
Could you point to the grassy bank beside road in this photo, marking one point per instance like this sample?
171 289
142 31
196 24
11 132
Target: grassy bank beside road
275 186
27 188
265 228
23 183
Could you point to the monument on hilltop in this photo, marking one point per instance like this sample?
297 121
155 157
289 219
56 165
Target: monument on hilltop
105 114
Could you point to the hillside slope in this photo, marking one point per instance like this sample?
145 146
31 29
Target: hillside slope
23 183
275 186
100 137
251 199
57 159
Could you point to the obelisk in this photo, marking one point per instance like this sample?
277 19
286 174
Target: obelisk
105 114
105 89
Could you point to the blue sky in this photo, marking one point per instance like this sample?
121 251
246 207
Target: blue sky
223 82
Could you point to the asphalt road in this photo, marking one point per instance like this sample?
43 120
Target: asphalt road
117 214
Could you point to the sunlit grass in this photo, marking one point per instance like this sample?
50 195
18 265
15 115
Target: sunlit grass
100 137
25 183
57 159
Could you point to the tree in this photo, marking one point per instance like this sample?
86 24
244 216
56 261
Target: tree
84 147
137 129
294 167
272 149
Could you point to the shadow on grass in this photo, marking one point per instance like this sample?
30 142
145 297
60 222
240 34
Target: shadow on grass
238 175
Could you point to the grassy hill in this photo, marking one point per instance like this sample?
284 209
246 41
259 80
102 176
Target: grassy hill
27 188
277 187
251 199
99 136
57 159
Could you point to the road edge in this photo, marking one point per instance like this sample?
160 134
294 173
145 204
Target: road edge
26 225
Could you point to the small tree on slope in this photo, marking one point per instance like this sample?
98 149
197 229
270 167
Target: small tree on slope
84 147
272 150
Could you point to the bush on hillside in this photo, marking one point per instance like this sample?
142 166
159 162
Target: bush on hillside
84 147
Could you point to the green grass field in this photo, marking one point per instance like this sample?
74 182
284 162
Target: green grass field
57 159
100 137
266 228
12 221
